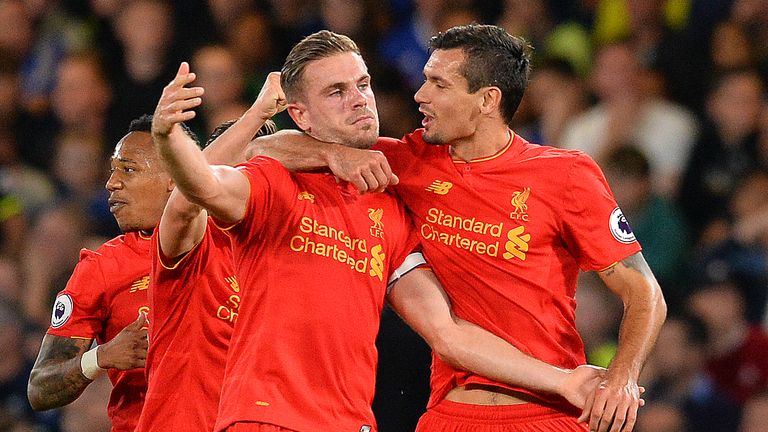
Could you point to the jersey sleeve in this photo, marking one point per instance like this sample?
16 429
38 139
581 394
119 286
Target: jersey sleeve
594 227
78 310
399 153
265 176
403 246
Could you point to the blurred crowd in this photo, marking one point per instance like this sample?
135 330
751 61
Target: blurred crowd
669 96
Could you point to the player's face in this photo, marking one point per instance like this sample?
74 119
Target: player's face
337 103
451 113
138 184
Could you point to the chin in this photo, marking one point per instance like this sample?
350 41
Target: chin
432 138
364 142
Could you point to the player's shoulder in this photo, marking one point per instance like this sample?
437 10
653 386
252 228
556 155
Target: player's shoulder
555 157
118 248
261 163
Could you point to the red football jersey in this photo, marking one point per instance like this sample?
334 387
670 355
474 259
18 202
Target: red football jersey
106 292
194 302
313 257
506 236
743 372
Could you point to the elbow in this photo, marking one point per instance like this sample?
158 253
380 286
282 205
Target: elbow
443 345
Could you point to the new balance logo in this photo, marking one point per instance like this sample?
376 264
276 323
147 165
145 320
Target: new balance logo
517 246
140 284
232 281
440 187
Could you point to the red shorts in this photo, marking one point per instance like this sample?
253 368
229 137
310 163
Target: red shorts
448 416
256 427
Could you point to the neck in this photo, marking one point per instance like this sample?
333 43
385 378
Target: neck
482 143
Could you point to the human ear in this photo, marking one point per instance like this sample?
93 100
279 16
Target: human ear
300 116
491 100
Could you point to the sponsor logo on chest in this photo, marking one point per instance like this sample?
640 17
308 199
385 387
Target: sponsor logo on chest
476 234
333 241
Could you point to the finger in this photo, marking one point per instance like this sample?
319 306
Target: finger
183 69
607 418
587 410
141 320
641 402
381 178
183 104
598 410
188 93
370 180
619 418
386 170
359 183
177 117
641 389
629 424
394 179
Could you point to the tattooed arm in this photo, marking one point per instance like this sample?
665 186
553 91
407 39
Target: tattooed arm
617 399
57 379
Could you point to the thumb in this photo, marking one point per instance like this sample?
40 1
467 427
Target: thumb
141 321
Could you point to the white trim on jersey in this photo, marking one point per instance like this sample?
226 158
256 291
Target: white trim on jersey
410 262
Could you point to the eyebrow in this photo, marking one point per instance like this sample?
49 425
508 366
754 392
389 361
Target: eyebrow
123 160
341 85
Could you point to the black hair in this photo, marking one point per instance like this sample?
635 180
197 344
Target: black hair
493 57
144 124
268 128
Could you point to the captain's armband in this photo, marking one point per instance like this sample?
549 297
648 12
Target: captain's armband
412 261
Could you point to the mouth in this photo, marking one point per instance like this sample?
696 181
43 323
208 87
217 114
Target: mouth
427 118
115 205
363 119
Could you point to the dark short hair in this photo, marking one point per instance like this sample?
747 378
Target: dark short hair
314 47
268 128
493 57
144 124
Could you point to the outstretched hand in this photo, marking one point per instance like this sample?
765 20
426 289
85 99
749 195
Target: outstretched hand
127 350
176 102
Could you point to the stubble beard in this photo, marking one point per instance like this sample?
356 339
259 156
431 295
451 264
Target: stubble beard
432 138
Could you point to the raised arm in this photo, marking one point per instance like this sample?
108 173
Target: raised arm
59 374
183 223
420 300
368 170
617 398
222 190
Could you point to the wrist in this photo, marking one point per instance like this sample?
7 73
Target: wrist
558 381
89 364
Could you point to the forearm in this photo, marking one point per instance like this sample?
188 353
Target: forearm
294 149
187 165
230 147
423 305
57 378
182 226
644 313
643 318
470 347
